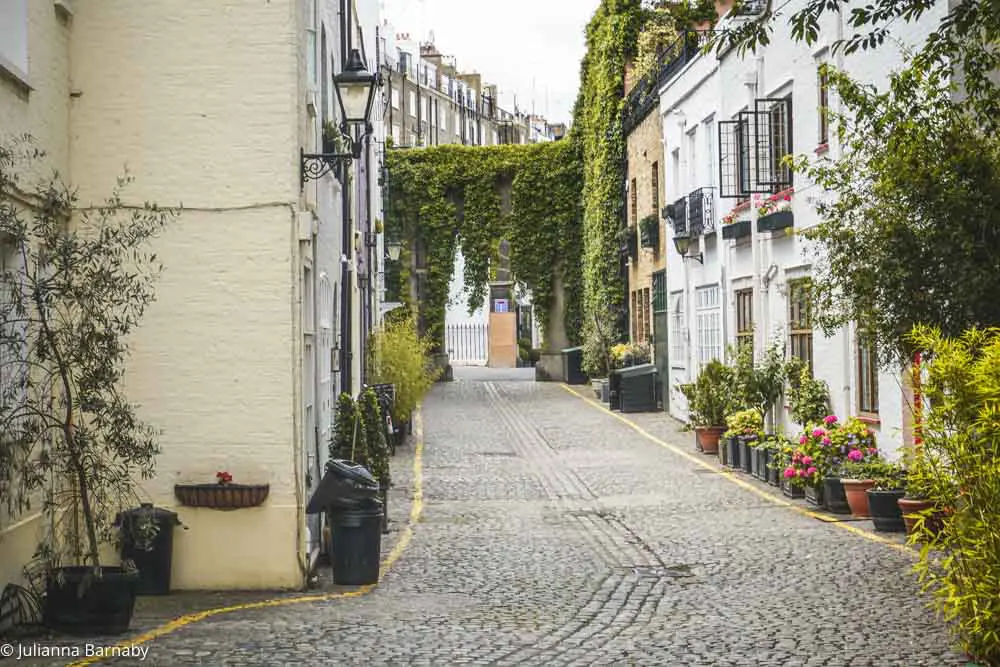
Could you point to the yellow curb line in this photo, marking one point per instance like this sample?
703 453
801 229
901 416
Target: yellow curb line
731 476
405 537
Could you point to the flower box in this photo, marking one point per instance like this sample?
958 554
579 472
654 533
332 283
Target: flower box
814 495
775 221
791 491
736 230
222 496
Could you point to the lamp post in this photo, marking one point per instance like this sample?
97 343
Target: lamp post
393 248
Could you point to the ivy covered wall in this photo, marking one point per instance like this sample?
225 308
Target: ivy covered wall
444 197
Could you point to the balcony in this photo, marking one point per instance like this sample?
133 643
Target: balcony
701 211
676 216
645 96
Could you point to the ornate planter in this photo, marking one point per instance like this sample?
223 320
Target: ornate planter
776 220
736 230
222 496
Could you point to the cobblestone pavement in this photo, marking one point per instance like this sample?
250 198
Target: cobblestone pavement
555 534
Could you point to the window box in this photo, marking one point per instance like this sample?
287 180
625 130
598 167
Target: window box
649 231
736 230
775 221
222 496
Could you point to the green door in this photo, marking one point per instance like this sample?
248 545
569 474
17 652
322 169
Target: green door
661 345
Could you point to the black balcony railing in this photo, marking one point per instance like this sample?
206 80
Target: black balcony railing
646 96
676 216
701 211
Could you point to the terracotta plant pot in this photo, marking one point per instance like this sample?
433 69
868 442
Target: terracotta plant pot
911 510
708 438
857 499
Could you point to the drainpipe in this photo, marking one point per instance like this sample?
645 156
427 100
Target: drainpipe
369 235
848 406
345 285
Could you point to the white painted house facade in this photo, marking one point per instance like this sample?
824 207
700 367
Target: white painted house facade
726 123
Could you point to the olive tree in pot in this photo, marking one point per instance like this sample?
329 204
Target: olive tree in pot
758 383
77 286
710 399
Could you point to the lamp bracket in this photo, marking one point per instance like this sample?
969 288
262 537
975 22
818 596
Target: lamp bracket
317 165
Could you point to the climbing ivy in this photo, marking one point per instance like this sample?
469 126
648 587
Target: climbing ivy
612 36
445 197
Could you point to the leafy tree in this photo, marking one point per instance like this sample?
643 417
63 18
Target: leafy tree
78 285
913 234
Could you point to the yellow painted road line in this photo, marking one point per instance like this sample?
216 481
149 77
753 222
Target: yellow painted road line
742 483
416 507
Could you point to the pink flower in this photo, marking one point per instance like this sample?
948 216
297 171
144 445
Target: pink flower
789 472
827 441
802 473
803 440
807 461
855 455
830 419
872 451
818 433
811 471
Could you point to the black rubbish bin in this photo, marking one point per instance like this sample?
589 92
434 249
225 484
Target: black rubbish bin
637 388
572 358
153 556
356 536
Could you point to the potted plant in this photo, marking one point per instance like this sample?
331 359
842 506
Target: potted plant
852 442
709 400
70 434
224 494
889 481
629 242
747 428
377 449
775 212
400 357
921 514
649 232
808 463
808 398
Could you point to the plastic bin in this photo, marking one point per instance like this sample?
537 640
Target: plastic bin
572 358
356 535
638 388
152 557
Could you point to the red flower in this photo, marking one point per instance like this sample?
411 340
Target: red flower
223 477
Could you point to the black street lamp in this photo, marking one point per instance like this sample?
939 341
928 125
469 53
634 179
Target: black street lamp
393 248
682 242
355 90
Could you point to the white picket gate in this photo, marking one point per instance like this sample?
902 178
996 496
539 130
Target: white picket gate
467 343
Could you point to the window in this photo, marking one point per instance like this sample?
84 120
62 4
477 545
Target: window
634 310
655 185
800 321
708 323
709 152
867 376
660 291
824 106
780 128
675 166
634 200
427 109
395 135
678 335
646 315
744 317
692 157
395 98
413 104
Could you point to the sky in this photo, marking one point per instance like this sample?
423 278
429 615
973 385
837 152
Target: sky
528 48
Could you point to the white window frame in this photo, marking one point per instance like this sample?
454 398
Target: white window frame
679 334
312 75
691 138
709 132
708 323
395 98
14 38
412 106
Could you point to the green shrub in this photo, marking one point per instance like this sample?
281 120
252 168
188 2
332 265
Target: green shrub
348 432
710 398
957 466
377 449
808 397
401 359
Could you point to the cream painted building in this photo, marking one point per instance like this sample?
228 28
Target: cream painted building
209 106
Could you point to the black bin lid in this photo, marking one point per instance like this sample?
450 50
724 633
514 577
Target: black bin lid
147 511
352 471
641 369
336 488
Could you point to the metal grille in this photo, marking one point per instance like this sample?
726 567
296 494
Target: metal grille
634 197
749 162
729 166
701 210
646 315
800 321
773 141
660 291
655 177
708 324
744 317
867 376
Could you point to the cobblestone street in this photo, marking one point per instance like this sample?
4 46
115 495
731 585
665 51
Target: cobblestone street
554 533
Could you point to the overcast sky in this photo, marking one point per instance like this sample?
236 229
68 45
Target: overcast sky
516 44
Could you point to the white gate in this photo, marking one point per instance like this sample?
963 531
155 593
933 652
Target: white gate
467 343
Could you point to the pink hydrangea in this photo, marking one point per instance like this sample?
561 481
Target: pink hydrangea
830 419
803 440
811 471
807 460
789 473
855 455
802 473
818 433
827 441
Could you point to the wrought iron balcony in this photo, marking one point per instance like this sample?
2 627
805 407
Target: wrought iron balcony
701 211
676 216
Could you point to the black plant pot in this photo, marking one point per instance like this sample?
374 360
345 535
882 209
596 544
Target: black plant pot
884 508
814 494
760 464
746 457
90 601
792 491
834 498
734 452
773 470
